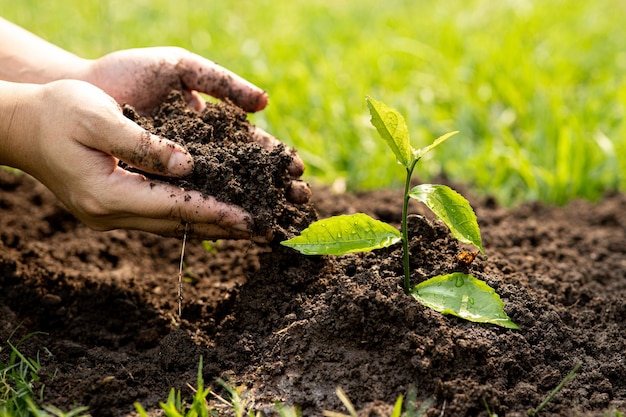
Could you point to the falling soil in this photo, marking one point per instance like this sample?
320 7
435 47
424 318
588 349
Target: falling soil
101 309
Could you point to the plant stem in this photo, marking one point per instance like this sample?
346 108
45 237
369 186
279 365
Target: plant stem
405 231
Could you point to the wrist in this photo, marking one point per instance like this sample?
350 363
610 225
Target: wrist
62 66
18 125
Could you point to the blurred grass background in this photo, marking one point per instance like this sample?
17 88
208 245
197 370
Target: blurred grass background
535 87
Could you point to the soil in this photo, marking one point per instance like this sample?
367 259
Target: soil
101 309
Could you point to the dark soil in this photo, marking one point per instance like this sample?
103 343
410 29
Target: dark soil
228 163
292 328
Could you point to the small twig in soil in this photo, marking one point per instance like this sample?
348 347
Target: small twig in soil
180 275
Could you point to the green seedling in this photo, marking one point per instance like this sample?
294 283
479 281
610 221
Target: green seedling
459 294
238 405
175 407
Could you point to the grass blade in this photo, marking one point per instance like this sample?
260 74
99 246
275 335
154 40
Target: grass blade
397 408
556 390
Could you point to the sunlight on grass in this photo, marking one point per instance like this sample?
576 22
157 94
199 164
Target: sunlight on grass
539 101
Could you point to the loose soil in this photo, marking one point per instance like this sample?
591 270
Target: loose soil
292 329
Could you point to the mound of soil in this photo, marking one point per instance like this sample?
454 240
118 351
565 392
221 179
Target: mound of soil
292 328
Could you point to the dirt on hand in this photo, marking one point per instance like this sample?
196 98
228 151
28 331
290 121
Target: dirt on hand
292 329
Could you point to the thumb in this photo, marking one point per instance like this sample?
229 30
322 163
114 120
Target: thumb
139 148
155 155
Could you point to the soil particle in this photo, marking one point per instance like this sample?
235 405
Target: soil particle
292 328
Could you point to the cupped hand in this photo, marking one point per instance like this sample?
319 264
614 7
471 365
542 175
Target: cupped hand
144 77
74 146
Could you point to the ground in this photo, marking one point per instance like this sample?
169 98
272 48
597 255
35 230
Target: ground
292 328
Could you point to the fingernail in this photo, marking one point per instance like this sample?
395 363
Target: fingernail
298 192
243 227
262 101
180 163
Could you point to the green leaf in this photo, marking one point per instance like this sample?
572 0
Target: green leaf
421 152
464 296
344 234
392 127
453 209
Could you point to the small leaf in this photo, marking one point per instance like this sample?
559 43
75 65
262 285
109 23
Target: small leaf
344 234
453 209
421 152
464 296
392 127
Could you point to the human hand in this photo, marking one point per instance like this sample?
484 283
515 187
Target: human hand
73 146
144 77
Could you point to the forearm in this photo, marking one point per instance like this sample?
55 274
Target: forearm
26 58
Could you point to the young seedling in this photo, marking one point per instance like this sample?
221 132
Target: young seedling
175 407
459 294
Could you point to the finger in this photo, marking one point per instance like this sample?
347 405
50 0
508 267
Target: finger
269 142
122 138
205 76
194 100
133 193
203 231
298 192
173 228
296 168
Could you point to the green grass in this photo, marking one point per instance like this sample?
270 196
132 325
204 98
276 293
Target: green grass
20 389
238 404
539 100
20 374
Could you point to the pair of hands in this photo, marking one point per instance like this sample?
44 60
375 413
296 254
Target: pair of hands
81 134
